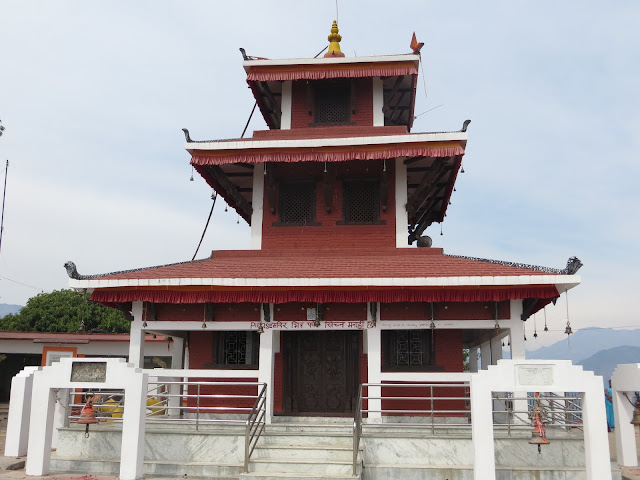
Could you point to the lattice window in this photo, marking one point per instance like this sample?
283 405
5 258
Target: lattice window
360 202
332 105
297 203
407 349
236 349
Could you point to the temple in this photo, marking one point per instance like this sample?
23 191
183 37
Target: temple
340 285
342 312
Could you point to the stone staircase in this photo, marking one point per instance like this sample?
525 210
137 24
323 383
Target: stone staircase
302 448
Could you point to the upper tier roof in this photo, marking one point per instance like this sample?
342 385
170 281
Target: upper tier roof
398 72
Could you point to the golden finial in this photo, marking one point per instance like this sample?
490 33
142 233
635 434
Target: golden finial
334 39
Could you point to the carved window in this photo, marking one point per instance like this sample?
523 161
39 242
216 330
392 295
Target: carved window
297 203
236 349
407 350
332 104
360 202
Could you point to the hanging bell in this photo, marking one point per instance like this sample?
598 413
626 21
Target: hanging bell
568 330
636 412
260 329
88 416
538 434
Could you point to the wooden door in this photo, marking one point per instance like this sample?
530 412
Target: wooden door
321 372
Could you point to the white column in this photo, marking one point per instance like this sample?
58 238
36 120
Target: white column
482 430
265 371
402 218
625 431
516 330
473 359
269 344
19 413
596 440
136 336
374 370
378 102
285 106
177 348
40 429
133 428
496 350
485 355
257 204
60 415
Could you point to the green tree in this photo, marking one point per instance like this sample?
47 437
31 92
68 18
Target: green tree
64 311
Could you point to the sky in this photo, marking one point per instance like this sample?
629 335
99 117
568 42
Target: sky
93 96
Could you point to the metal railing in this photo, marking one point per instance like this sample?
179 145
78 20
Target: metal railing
254 425
357 431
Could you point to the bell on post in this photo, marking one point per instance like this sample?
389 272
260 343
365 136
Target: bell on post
538 434
88 416
636 411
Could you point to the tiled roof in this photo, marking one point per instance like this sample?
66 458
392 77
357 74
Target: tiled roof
385 263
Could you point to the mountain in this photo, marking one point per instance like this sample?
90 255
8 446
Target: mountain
6 309
604 362
586 342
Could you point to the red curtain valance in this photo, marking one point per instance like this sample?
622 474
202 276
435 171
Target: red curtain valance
325 155
319 72
326 296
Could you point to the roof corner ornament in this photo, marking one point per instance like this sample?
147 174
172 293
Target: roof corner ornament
465 125
186 135
415 45
573 265
72 271
334 39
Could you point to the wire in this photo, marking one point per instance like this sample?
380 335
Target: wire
20 283
4 194
205 227
247 125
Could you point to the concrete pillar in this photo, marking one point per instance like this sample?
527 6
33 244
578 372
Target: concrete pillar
485 355
285 106
402 218
625 431
378 102
136 336
19 413
496 350
177 353
516 331
40 429
60 415
482 430
257 204
374 370
133 428
265 371
473 359
596 440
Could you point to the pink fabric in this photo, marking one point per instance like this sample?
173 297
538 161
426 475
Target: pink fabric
318 74
325 156
325 296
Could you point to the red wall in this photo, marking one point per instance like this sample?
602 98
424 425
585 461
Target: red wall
328 233
300 117
444 311
222 312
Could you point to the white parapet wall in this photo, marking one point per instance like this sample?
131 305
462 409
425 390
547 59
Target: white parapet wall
624 382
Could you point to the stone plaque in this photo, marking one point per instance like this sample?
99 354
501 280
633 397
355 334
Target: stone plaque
89 372
534 374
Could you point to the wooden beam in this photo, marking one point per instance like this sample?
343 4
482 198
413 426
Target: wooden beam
239 174
231 190
409 161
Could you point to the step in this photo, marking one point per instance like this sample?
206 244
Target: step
312 467
310 452
296 476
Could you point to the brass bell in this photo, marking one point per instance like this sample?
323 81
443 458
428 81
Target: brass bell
88 416
636 412
538 434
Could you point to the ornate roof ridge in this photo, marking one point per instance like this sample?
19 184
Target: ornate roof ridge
573 265
72 271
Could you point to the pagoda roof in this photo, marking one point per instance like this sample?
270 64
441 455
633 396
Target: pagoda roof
408 274
398 72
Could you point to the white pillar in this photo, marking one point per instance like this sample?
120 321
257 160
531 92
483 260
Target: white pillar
596 440
40 429
19 413
268 344
285 106
136 336
496 350
482 430
257 204
485 355
402 218
625 431
473 359
516 330
133 428
174 402
378 102
374 370
60 416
